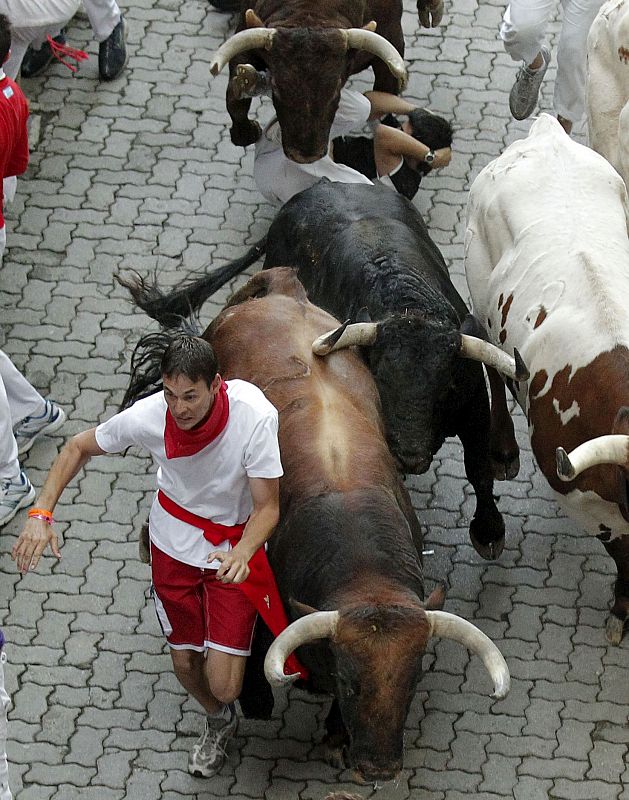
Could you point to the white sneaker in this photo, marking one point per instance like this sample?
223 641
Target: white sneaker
208 752
14 496
30 428
525 90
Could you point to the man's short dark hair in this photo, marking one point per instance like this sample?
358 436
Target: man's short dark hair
5 38
430 129
191 357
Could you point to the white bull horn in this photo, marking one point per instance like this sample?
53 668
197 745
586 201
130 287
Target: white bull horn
363 39
320 625
449 626
250 39
360 334
612 449
479 350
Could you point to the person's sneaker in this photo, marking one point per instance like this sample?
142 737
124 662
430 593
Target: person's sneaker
15 495
30 428
525 91
208 752
112 53
36 61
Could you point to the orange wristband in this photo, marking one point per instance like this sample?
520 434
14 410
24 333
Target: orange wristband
41 513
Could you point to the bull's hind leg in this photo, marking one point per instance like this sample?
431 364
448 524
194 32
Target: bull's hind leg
336 740
618 549
487 528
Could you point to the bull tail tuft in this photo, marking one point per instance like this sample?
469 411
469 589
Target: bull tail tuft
169 309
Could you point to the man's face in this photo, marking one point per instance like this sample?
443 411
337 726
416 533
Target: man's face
188 402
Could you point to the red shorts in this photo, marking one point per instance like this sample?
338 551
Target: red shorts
196 611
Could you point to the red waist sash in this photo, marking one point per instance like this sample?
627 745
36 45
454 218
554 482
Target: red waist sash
260 586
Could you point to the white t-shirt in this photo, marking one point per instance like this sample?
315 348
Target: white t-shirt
38 13
213 483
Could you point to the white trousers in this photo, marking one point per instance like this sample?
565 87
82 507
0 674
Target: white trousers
18 399
523 31
5 702
103 15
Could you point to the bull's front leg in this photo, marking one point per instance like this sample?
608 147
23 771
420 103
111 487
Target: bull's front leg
244 131
618 549
504 450
336 741
487 528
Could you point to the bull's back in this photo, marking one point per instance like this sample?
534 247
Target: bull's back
547 254
331 436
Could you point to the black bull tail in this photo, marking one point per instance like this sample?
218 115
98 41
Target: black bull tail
170 309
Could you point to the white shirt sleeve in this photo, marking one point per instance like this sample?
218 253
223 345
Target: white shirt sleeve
353 112
119 432
262 453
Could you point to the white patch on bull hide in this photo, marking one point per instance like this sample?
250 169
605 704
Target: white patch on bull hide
590 511
569 413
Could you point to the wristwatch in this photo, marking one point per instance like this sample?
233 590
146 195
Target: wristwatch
429 157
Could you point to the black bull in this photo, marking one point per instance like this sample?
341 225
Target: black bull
348 543
364 253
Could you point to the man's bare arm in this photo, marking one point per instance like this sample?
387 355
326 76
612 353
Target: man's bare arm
264 517
37 533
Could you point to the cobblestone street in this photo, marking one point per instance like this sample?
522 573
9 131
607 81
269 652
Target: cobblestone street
141 174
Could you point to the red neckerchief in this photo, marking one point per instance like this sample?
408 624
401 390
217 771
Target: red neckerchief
179 444
260 587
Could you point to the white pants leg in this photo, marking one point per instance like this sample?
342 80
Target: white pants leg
569 98
524 26
5 702
18 399
3 241
21 38
104 15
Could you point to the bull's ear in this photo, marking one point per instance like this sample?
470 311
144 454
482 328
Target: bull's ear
436 598
370 26
301 609
252 20
471 326
363 315
621 422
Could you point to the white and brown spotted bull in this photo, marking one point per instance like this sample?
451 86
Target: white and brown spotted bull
547 262
607 84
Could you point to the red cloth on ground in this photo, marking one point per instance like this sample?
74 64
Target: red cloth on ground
13 133
260 587
179 443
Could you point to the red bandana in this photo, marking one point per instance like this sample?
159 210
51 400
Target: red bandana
179 443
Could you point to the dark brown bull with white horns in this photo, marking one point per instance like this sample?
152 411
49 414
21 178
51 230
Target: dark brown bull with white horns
346 553
310 49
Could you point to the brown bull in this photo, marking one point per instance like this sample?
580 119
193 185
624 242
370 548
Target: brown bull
346 551
310 49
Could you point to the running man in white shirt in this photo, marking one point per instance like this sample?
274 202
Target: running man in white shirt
217 453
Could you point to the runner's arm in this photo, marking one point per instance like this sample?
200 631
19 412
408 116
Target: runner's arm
234 566
37 533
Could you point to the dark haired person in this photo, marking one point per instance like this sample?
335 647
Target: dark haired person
278 178
217 453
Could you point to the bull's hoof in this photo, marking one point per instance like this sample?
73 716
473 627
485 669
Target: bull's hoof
491 550
505 470
334 755
247 134
614 629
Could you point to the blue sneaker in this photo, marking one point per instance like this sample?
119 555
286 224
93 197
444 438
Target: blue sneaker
14 496
30 428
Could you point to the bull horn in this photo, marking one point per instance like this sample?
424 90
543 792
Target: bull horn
320 625
479 350
251 39
360 334
612 449
363 39
449 626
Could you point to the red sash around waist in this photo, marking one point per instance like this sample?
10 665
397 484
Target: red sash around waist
260 586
